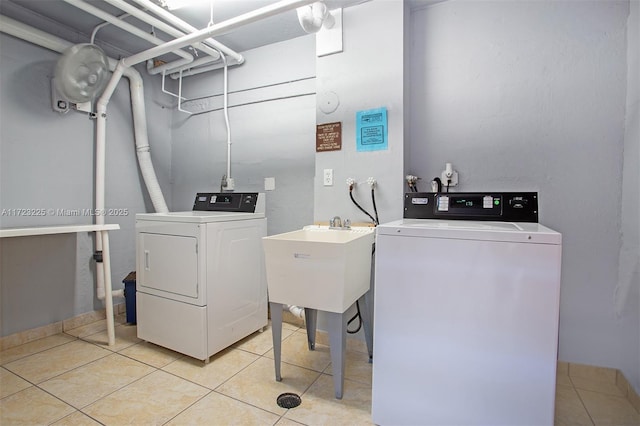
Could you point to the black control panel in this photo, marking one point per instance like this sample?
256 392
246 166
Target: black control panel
497 206
226 202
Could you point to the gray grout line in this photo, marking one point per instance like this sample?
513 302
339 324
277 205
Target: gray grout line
581 401
258 357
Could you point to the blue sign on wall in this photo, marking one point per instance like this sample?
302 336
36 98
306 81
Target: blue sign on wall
371 129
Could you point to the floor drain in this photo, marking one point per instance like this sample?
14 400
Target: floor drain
289 400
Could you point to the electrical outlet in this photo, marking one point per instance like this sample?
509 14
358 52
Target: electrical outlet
269 184
327 177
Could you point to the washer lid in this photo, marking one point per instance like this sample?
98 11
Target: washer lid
473 230
199 216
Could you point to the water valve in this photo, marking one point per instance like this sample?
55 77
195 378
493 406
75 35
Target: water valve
449 176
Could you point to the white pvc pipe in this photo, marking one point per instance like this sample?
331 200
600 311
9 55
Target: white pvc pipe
295 310
108 302
184 26
145 17
142 140
176 70
102 25
114 20
32 35
180 97
168 92
194 71
101 124
226 117
175 67
223 27
158 24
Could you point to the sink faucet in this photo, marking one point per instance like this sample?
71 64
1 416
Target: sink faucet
336 223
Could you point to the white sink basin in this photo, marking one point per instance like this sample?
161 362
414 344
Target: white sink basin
319 268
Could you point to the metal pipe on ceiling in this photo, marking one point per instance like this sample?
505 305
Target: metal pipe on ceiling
114 20
213 54
221 28
193 70
187 28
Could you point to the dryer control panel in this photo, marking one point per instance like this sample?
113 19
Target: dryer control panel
241 202
496 206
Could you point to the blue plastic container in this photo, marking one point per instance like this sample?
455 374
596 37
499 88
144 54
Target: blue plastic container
130 297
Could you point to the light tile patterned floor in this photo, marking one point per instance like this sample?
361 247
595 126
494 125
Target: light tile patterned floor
75 379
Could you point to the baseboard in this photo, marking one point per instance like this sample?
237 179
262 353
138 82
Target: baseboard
27 336
623 384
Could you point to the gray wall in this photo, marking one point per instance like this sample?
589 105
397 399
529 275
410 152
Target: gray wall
531 96
627 292
47 161
368 74
272 121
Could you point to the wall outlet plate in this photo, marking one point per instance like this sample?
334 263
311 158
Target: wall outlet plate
269 184
327 177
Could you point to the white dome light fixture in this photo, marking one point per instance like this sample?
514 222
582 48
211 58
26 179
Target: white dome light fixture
313 17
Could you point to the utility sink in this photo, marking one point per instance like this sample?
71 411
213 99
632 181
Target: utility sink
319 268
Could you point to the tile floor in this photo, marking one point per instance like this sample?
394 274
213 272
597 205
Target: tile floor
73 378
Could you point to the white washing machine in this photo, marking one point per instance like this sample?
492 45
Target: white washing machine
467 290
200 274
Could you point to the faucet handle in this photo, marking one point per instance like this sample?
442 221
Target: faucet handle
347 223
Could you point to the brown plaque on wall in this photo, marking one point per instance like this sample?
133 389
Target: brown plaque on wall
329 137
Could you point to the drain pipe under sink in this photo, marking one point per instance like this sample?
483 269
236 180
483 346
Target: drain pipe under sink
297 311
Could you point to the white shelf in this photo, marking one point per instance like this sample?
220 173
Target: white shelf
49 230
70 229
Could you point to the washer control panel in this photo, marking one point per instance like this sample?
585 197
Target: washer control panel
497 206
242 202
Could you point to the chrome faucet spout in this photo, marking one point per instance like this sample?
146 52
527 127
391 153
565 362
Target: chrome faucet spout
336 222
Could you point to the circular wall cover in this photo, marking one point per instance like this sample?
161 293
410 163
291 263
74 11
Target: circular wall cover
328 102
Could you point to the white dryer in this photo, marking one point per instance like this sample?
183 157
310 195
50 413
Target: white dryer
467 291
200 274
